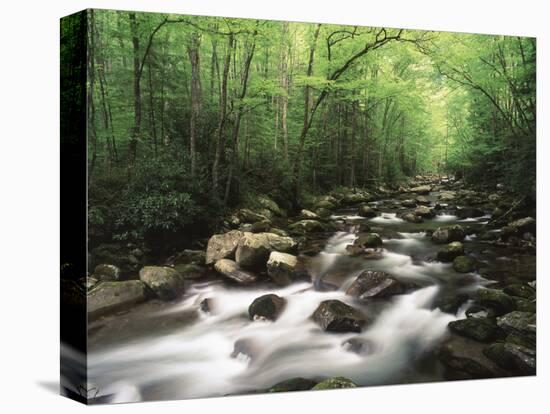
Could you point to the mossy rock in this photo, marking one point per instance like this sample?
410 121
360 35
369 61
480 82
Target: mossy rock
335 383
464 264
293 384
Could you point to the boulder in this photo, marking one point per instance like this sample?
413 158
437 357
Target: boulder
271 205
464 264
422 189
447 196
336 316
88 282
521 324
308 215
375 285
496 300
422 200
355 198
366 211
412 218
307 226
465 357
480 329
335 383
260 226
248 216
282 268
293 384
165 282
232 270
253 249
516 358
450 252
222 246
526 224
451 302
521 290
447 234
368 240
424 212
109 297
107 272
118 256
266 307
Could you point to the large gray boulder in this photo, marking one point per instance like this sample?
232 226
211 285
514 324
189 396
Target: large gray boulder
424 212
336 316
421 189
335 383
282 268
307 226
222 246
374 285
495 299
268 204
107 272
520 324
232 270
253 249
308 215
480 329
516 358
109 297
165 282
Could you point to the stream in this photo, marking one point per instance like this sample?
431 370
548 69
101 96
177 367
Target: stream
177 350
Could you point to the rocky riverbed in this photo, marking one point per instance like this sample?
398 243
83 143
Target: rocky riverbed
429 282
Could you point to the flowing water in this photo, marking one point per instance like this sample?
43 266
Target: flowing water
177 350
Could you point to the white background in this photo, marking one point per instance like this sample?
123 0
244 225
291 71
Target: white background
29 203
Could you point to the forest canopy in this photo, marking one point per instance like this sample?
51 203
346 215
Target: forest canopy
191 116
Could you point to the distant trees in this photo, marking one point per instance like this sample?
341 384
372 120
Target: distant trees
225 108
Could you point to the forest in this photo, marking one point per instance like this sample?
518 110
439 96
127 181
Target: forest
191 116
280 206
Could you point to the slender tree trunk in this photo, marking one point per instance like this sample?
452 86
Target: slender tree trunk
193 52
152 119
137 88
92 134
352 149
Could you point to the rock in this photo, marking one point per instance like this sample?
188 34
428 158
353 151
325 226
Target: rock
495 299
368 240
526 224
190 271
450 252
222 246
355 198
207 305
412 218
480 329
358 345
466 356
335 383
231 270
408 203
88 282
451 303
293 384
447 234
423 189
248 216
107 272
118 256
520 290
323 212
308 215
271 205
522 324
282 268
266 307
366 211
422 200
468 212
253 249
109 297
464 264
424 212
165 282
336 316
307 226
278 232
516 358
375 285
477 311
260 226
447 196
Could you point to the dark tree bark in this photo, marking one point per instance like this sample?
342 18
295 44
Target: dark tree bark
194 59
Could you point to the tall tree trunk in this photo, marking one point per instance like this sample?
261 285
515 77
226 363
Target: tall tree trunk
152 119
193 52
137 88
92 134
238 117
352 149
285 87
220 141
